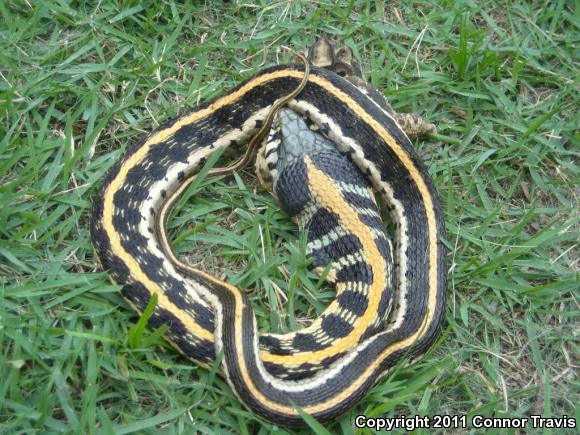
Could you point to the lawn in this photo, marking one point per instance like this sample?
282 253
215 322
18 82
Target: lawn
82 81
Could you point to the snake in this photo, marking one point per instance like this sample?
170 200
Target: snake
328 145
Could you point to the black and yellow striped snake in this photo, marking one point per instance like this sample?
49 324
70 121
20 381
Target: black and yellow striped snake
325 145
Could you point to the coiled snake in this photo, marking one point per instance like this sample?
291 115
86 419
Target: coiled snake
325 144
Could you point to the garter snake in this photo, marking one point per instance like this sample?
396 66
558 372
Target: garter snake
206 315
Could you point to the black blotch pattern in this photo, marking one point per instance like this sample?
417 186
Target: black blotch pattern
322 222
203 351
359 272
335 326
306 342
353 301
136 293
334 251
274 345
204 316
359 200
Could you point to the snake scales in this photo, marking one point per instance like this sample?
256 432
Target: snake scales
334 140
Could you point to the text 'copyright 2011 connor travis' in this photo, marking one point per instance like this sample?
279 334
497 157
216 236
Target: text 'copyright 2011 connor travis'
463 422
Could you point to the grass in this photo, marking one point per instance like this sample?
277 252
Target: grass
80 81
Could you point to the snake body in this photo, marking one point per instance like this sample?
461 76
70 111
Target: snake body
340 227
335 365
